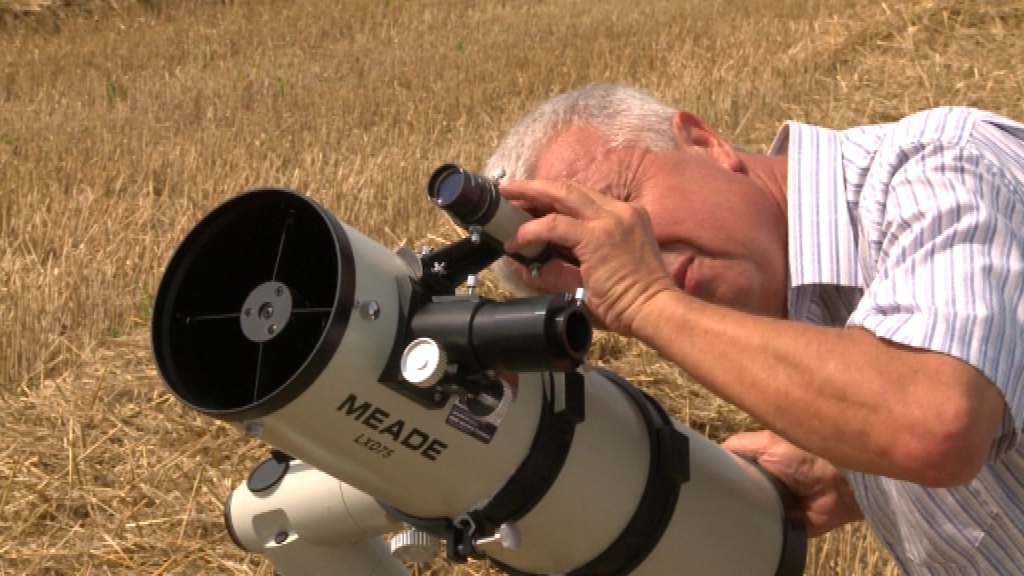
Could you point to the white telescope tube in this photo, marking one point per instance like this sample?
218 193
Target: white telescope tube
591 476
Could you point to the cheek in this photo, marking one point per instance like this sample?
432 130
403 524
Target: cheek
756 284
701 229
740 286
729 282
775 281
772 264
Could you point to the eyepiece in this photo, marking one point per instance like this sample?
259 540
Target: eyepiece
470 198
473 200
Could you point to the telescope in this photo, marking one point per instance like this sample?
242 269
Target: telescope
407 414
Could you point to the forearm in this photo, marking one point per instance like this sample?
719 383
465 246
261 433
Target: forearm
842 394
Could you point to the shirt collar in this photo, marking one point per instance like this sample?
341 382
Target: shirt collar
822 246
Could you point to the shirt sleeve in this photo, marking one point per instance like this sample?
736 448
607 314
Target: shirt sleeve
949 268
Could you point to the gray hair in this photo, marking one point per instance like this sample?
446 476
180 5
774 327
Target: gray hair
624 116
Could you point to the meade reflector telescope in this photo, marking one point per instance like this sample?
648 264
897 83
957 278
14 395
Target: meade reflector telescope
397 403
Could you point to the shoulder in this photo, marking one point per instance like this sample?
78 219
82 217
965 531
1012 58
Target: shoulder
878 151
970 130
949 139
949 125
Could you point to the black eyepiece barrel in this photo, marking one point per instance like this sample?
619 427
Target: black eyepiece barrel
470 198
521 335
473 200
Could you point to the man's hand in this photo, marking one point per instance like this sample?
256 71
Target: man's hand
825 498
619 262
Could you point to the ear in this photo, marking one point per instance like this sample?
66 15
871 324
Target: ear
691 131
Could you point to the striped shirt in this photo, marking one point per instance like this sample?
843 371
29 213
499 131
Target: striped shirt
915 231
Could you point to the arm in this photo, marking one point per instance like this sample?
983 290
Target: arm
858 401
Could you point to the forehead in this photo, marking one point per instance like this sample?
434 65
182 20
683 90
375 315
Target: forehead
579 153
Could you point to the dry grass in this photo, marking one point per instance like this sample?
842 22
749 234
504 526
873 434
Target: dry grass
122 121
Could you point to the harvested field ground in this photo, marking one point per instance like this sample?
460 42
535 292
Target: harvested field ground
122 122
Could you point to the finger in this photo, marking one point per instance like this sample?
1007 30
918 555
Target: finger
525 206
543 196
752 444
556 228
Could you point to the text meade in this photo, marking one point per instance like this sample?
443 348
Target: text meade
377 419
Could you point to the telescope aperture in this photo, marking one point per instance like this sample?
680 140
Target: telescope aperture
248 311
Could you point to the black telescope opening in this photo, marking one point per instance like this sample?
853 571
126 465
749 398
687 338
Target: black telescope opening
470 198
575 332
253 304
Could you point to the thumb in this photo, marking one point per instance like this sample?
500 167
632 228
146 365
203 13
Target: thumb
750 444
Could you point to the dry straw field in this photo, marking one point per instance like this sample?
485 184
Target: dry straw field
122 122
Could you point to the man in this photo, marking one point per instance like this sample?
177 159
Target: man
858 292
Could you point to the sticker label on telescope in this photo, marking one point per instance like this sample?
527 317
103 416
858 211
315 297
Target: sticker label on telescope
463 420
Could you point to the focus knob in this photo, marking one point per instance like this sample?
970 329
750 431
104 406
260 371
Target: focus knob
415 546
423 362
